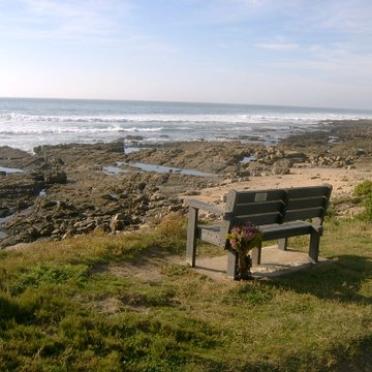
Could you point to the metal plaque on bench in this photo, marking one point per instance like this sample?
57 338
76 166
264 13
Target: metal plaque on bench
262 196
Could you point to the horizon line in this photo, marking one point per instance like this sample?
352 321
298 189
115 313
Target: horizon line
186 102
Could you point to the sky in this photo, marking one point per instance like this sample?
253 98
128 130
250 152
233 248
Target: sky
283 52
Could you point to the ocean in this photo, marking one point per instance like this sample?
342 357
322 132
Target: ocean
26 123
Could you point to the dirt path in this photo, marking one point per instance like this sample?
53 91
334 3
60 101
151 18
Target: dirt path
342 180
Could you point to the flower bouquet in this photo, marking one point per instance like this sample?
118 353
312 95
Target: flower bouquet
243 238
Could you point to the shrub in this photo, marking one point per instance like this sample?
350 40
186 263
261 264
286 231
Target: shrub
363 189
173 226
368 208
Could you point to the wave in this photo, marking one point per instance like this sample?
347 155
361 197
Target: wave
27 130
59 131
302 118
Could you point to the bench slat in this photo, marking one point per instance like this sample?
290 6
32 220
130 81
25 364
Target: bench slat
198 204
259 207
211 234
258 219
304 203
303 214
259 196
278 231
304 192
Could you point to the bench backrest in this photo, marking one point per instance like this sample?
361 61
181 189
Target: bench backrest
307 202
262 207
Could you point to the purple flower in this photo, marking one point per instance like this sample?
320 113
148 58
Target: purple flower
242 235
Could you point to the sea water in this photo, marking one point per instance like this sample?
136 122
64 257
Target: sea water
26 123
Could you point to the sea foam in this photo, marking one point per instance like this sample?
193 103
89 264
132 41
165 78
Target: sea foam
29 123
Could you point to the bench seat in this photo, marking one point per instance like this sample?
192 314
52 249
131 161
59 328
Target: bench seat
212 233
288 229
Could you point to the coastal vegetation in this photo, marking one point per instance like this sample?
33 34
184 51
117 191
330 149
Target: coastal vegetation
73 305
364 191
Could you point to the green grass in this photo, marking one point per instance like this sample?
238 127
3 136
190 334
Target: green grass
62 310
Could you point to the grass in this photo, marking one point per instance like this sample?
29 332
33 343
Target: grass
60 310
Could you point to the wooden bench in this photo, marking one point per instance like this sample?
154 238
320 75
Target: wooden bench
279 214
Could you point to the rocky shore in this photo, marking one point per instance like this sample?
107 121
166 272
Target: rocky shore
65 190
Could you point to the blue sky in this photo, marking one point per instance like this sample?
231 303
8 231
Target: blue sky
294 52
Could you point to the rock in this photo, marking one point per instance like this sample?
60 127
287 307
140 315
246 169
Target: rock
33 233
118 222
156 197
134 138
192 193
117 146
56 178
360 152
13 240
281 166
47 203
243 179
67 235
296 157
46 230
22 204
174 208
63 205
4 212
141 186
84 226
111 197
13 158
38 176
257 168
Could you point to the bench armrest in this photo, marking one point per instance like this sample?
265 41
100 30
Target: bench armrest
212 208
318 228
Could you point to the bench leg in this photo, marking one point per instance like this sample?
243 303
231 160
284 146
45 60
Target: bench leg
232 264
256 256
191 237
283 244
314 245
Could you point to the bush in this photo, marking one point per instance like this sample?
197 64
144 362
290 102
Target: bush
368 208
363 189
173 226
